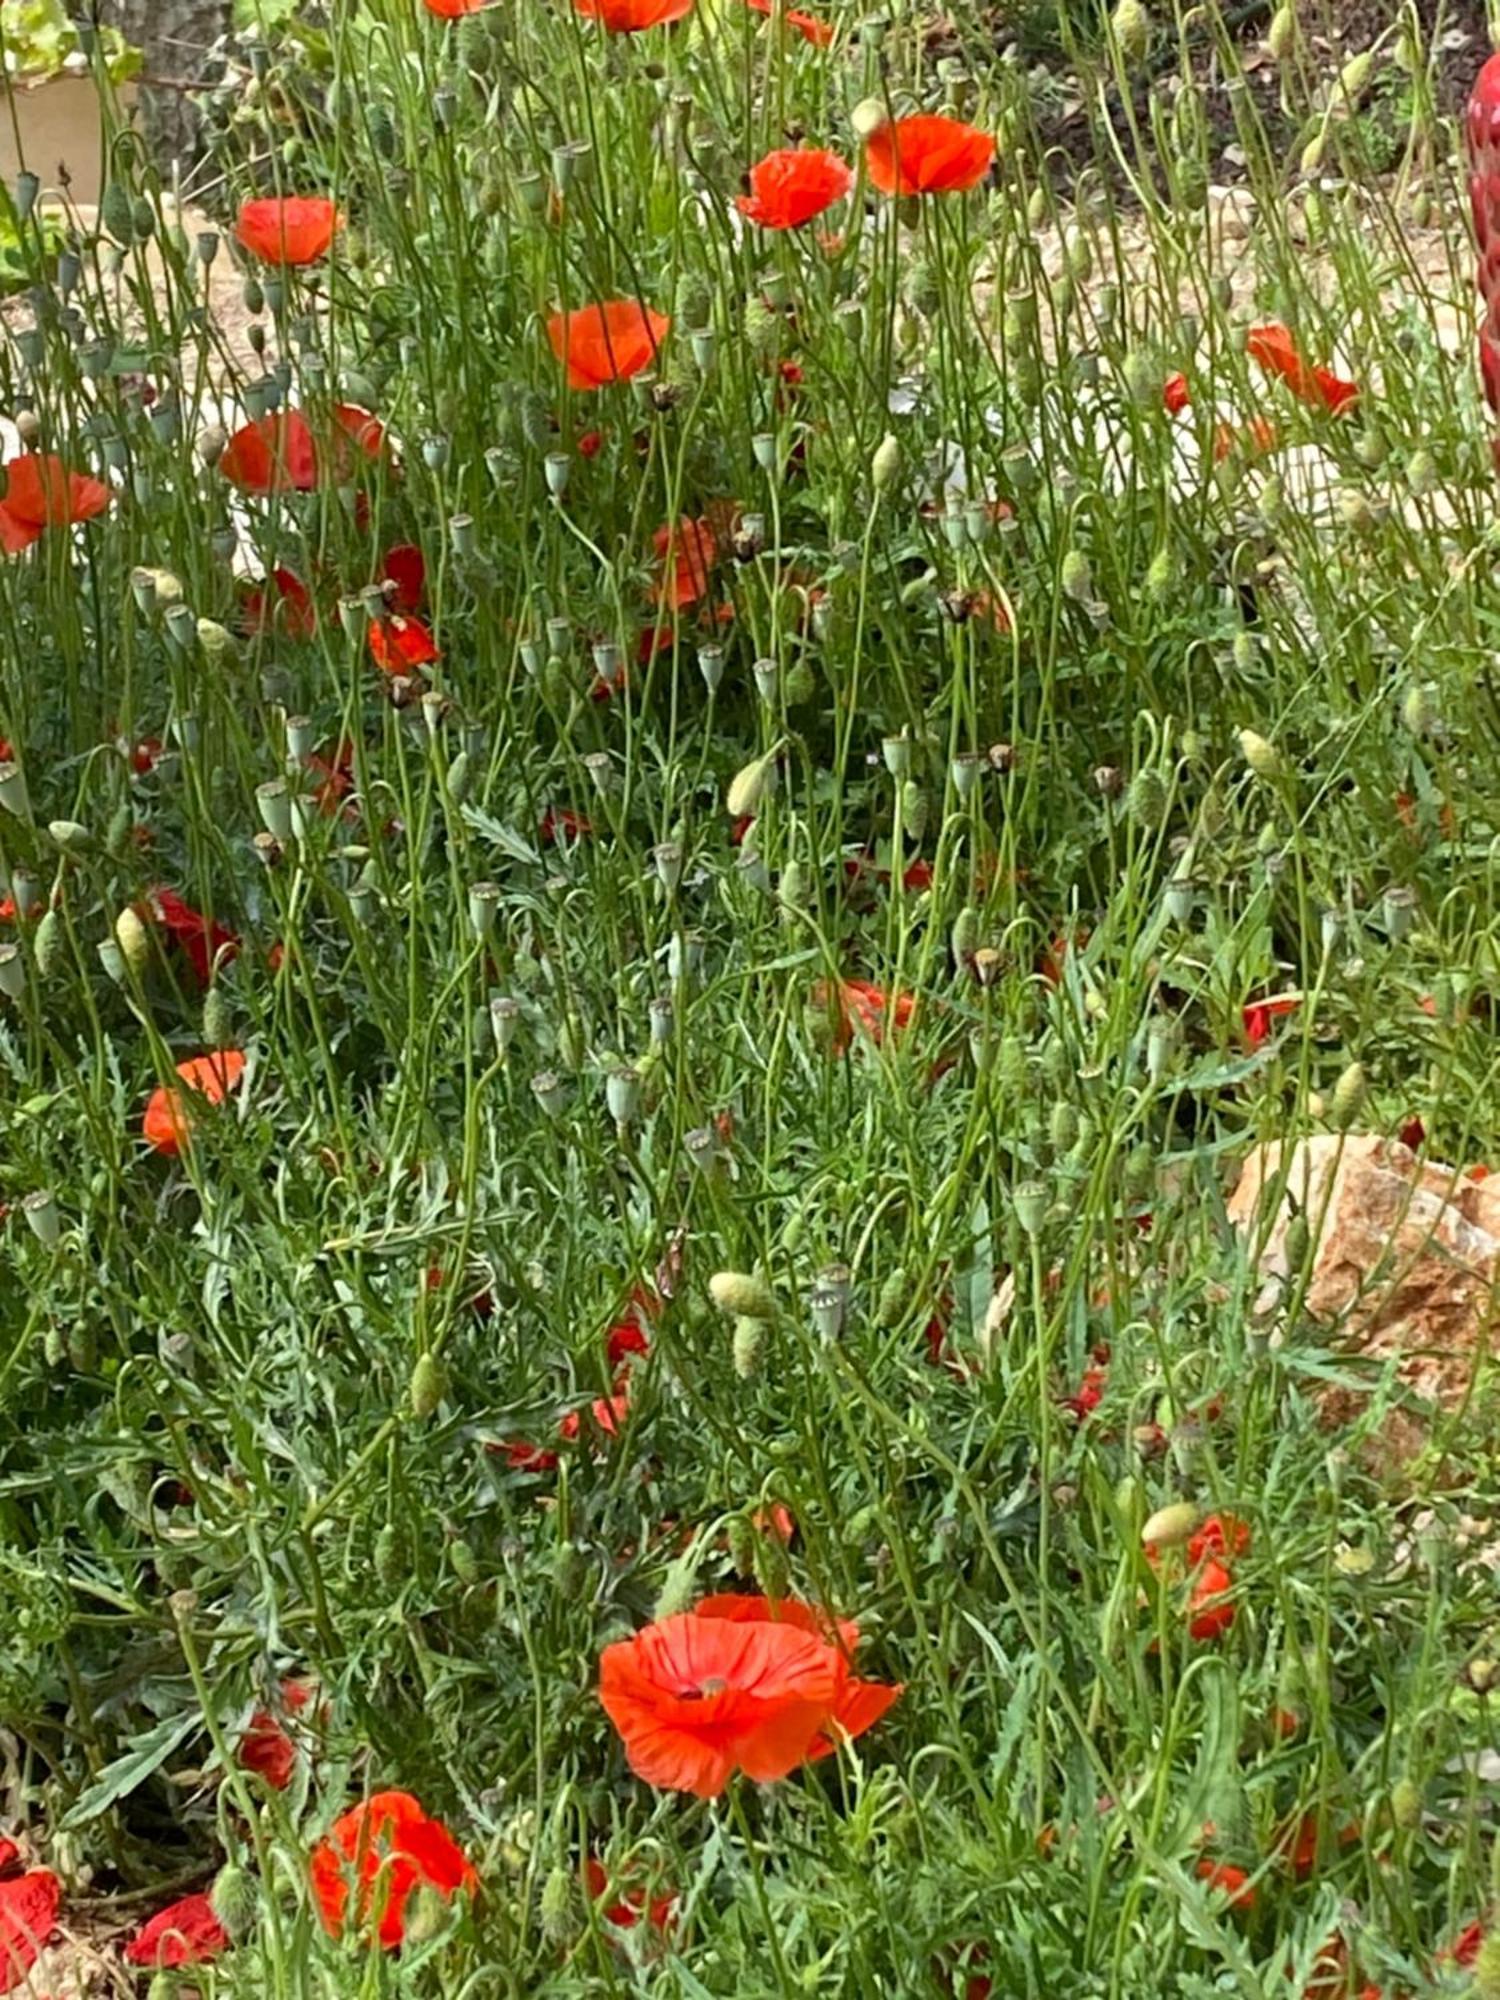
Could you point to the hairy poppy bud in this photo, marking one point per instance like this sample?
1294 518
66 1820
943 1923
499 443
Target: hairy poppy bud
742 1294
1142 379
1063 1126
1146 800
464 1562
741 1539
1170 1525
867 117
1263 758
1406 1805
131 937
1077 577
71 835
428 1385
1421 472
1132 26
963 939
389 1556
233 1898
750 785
48 942
885 466
42 1218
1348 1099
1282 32
559 1919
914 808
1419 709
891 1303
749 1336
1354 77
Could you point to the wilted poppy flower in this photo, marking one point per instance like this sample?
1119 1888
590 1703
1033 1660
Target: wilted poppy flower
687 551
1175 395
1273 348
1231 1881
287 229
266 1748
928 155
279 454
1210 1611
808 26
630 17
521 1455
385 1848
864 1009
400 645
204 942
41 493
282 604
1257 437
608 342
608 1412
695 1699
562 819
625 1907
791 187
184 1933
29 1904
167 1125
1258 1015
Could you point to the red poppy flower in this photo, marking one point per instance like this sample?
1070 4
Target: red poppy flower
865 1009
624 1338
630 17
287 229
775 1519
386 1848
1223 1535
523 1456
591 444
41 493
204 942
625 1907
1234 1882
453 10
1175 395
1465 1948
562 819
167 1125
400 645
1299 1839
1273 348
184 1933
279 454
608 1412
1259 1014
28 1916
608 342
1210 1612
859 1705
808 26
404 573
928 155
790 188
695 1699
265 1747
1413 1134
283 604
1090 1393
687 552
1258 437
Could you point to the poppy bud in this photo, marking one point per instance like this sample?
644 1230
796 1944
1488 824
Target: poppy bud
1406 1805
1079 253
751 785
885 466
130 936
464 1562
1348 1099
1146 800
1077 578
484 906
70 835
1142 378
1170 1526
741 1539
867 117
1262 757
622 1095
47 943
914 808
1132 27
1282 32
679 1586
1063 1127
389 1557
559 1917
963 939
798 685
234 1899
1419 709
428 1385
742 1294
765 674
749 1336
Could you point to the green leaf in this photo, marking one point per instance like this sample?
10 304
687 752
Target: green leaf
146 1754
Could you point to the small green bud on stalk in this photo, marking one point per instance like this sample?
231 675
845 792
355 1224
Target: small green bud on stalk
1354 77
1146 800
742 1294
1171 1525
1132 30
1077 577
218 1028
1282 33
464 1562
885 466
1406 1805
1031 1201
1263 757
234 1899
1348 1099
558 1913
1160 575
134 942
48 942
751 785
428 1386
745 1348
389 1557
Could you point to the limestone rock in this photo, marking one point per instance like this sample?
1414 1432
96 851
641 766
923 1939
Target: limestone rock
1404 1263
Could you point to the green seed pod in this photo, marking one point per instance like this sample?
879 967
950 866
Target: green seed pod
1132 28
1142 379
234 1899
1031 1200
892 1300
1080 255
1298 1242
390 1557
465 1563
1077 577
749 1337
1036 208
1348 1100
428 1385
1146 799
742 1295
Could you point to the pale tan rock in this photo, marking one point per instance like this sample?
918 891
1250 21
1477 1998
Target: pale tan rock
1405 1259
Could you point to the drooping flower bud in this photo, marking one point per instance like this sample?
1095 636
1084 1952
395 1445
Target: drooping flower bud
750 786
132 938
885 466
742 1294
428 1385
1263 758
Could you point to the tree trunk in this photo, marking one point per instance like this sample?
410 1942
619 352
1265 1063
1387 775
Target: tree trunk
174 37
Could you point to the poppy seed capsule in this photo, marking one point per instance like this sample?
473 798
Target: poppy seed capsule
1170 1526
42 1218
14 796
1031 1200
484 906
742 1294
622 1094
